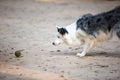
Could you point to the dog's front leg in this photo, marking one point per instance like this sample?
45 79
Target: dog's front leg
88 45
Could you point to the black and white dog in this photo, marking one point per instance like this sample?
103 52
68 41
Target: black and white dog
89 30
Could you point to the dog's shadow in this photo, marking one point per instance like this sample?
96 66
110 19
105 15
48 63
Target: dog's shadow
90 54
104 54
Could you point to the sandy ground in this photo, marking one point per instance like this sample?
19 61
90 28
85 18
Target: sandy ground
30 25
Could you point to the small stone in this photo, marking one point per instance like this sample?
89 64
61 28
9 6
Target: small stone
45 69
20 74
58 50
51 51
12 48
62 71
62 75
42 50
11 53
10 58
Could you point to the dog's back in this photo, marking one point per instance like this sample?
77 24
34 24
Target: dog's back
106 22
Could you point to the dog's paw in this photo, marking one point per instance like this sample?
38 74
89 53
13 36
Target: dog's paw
80 54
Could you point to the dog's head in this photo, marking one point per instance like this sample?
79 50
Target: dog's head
63 36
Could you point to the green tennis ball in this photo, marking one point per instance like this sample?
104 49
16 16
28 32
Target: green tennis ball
18 53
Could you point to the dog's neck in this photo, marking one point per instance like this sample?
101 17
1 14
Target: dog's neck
72 28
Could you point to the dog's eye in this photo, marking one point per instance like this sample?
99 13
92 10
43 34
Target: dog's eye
58 36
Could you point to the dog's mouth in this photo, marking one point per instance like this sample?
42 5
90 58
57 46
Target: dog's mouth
55 44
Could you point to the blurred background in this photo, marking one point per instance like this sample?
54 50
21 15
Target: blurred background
30 25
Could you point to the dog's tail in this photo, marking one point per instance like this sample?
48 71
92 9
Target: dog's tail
117 29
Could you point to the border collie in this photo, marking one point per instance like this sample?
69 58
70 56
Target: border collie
90 30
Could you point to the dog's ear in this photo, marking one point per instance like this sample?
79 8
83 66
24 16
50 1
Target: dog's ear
61 30
58 28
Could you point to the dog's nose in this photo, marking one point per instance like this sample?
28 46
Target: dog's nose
53 43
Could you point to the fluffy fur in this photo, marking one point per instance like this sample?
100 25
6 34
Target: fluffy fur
90 30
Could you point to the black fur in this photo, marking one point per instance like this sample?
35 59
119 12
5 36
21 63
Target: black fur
105 22
80 21
62 31
117 29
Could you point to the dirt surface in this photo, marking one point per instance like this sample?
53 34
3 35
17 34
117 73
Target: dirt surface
30 25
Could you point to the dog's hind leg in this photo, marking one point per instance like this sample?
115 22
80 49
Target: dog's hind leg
89 44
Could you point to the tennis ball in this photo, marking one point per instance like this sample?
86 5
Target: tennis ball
18 53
